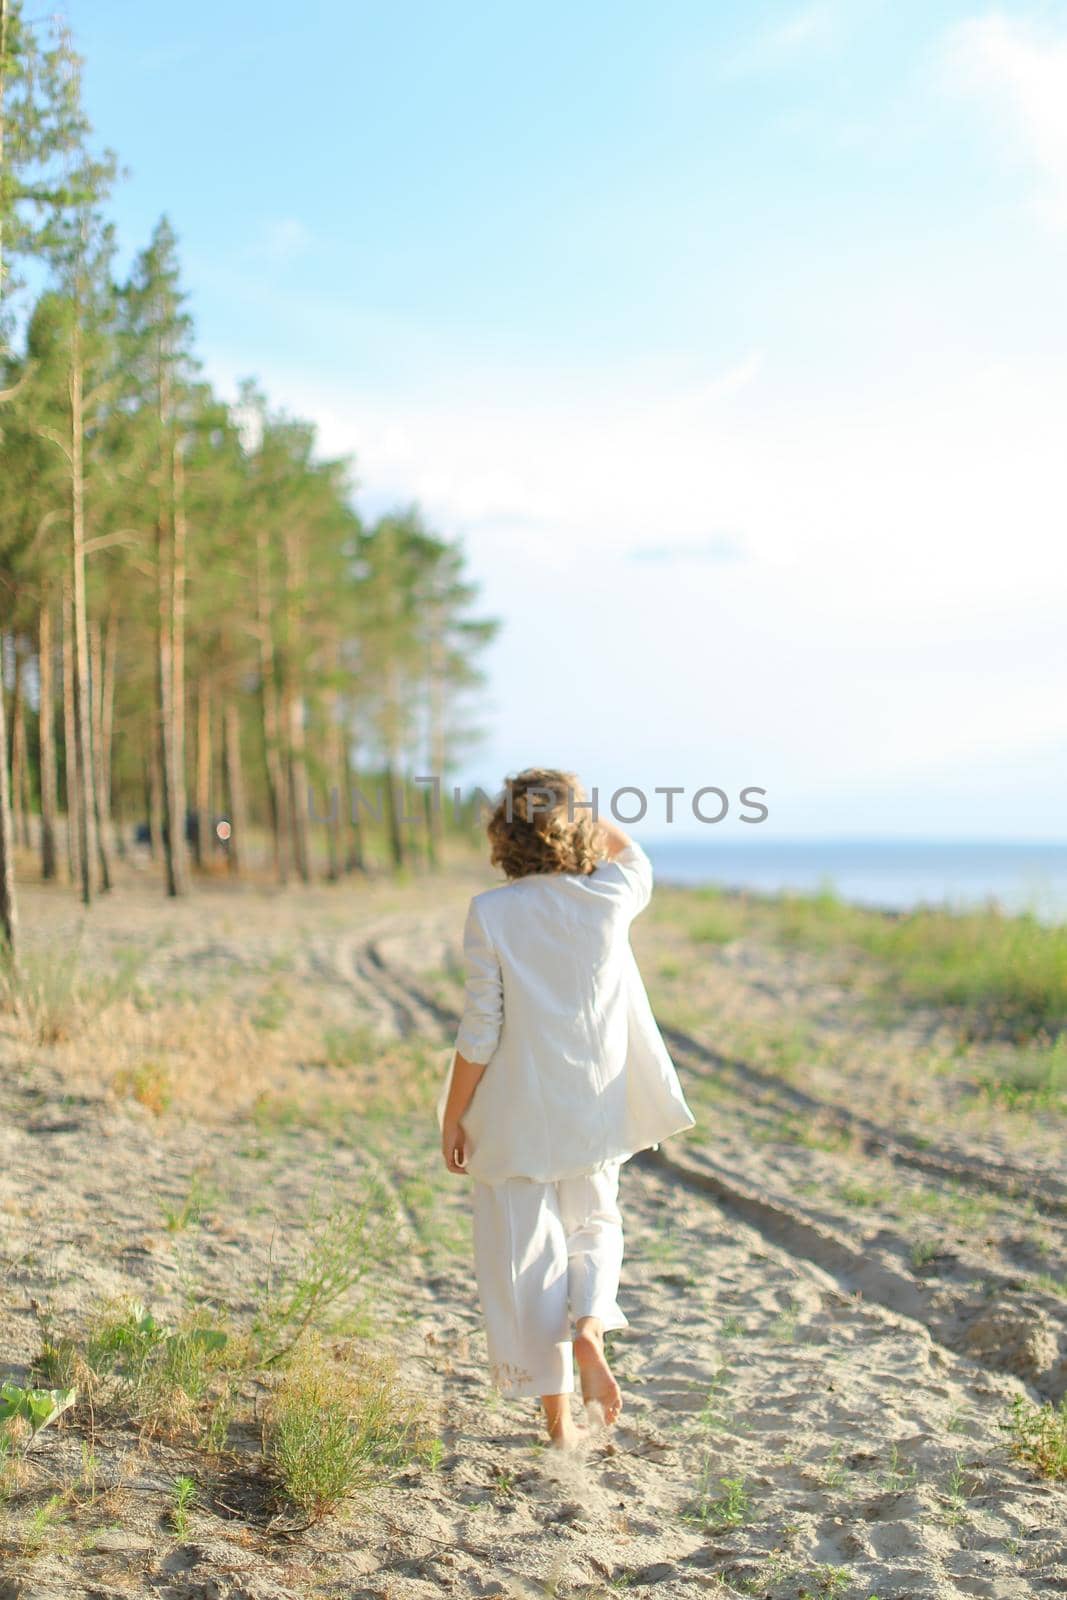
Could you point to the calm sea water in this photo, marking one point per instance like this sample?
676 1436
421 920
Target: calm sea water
891 873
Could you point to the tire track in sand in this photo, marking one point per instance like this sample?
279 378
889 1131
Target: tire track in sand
842 1264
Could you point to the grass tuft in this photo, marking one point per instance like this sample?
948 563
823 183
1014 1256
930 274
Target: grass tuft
335 1429
340 1251
51 995
149 1083
729 1508
156 1376
1038 1436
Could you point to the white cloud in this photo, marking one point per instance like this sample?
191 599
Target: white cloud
909 532
1022 70
807 29
285 238
719 547
812 24
892 629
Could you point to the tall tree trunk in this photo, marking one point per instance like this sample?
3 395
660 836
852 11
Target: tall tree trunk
47 737
173 830
156 809
277 787
96 705
70 737
107 724
294 705
146 796
435 812
235 789
335 816
394 807
118 826
8 903
411 821
177 605
298 781
204 834
87 843
107 706
356 860
18 745
27 781
432 818
394 802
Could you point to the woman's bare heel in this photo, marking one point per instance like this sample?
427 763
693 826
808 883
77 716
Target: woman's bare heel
562 1428
600 1391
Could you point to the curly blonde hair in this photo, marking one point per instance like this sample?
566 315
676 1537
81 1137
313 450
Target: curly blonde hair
535 833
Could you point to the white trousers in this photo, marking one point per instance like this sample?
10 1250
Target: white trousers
545 1254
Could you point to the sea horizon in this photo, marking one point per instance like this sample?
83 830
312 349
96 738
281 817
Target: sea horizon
894 873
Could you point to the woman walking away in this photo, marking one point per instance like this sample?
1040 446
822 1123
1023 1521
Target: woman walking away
559 1076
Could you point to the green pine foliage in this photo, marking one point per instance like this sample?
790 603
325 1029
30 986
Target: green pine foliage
199 623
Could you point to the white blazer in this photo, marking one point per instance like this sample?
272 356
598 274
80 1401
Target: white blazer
578 1073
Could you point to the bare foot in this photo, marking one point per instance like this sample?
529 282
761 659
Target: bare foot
563 1431
567 1435
599 1388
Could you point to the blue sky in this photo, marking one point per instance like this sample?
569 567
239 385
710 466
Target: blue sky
731 340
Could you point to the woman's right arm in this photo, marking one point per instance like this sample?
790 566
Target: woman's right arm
613 836
466 1076
632 862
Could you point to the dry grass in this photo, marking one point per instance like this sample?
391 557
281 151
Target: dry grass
52 995
213 1058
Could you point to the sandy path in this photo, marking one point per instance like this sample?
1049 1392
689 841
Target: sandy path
788 1431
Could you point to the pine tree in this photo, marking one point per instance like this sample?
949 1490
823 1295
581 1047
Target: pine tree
58 215
159 369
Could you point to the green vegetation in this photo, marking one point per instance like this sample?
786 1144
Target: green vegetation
337 1418
185 1494
1033 1078
1038 1436
149 1083
153 1374
197 1198
350 1047
198 618
34 1409
717 924
1007 974
717 1412
731 1508
53 995
825 1582
898 1476
159 1375
342 1248
333 1430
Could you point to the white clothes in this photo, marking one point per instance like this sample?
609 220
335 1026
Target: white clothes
545 1254
578 1073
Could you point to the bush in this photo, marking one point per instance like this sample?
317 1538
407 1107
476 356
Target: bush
333 1429
1039 1436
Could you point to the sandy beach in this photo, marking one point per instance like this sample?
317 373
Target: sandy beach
838 1284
